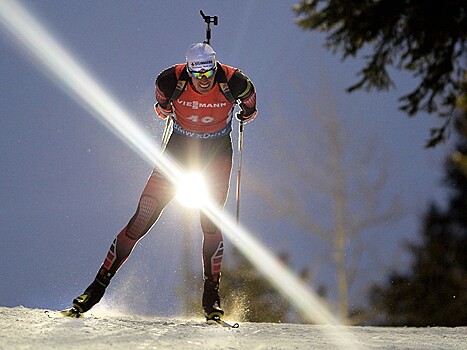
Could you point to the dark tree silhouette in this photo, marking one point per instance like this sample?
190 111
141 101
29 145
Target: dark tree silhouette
424 37
434 291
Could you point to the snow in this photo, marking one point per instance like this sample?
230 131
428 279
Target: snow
24 328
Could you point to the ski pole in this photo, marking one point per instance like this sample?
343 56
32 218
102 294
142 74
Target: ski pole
239 168
208 20
166 134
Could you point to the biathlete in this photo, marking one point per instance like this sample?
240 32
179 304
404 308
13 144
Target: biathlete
199 95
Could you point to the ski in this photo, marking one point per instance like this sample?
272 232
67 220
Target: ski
72 312
216 320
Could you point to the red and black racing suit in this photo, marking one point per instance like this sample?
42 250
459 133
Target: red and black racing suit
200 140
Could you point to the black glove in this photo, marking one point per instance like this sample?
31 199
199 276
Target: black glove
245 118
163 112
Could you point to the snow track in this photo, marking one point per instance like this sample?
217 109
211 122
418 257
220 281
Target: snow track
24 328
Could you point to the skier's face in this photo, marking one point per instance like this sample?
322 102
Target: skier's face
204 82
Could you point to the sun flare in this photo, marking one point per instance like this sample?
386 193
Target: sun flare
192 190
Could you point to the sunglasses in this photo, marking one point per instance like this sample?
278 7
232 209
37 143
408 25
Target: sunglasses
207 74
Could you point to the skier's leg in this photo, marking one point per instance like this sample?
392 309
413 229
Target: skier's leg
156 194
213 245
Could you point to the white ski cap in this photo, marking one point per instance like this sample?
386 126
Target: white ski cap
200 57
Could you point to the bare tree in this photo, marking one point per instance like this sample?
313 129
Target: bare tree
334 188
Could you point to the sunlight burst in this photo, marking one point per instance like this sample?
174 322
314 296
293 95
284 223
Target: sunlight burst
192 190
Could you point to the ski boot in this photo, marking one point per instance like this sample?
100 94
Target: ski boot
211 299
92 295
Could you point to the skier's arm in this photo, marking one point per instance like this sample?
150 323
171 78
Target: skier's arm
165 84
243 90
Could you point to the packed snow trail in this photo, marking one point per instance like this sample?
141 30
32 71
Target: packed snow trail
24 328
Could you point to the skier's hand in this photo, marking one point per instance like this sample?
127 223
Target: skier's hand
163 112
241 117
